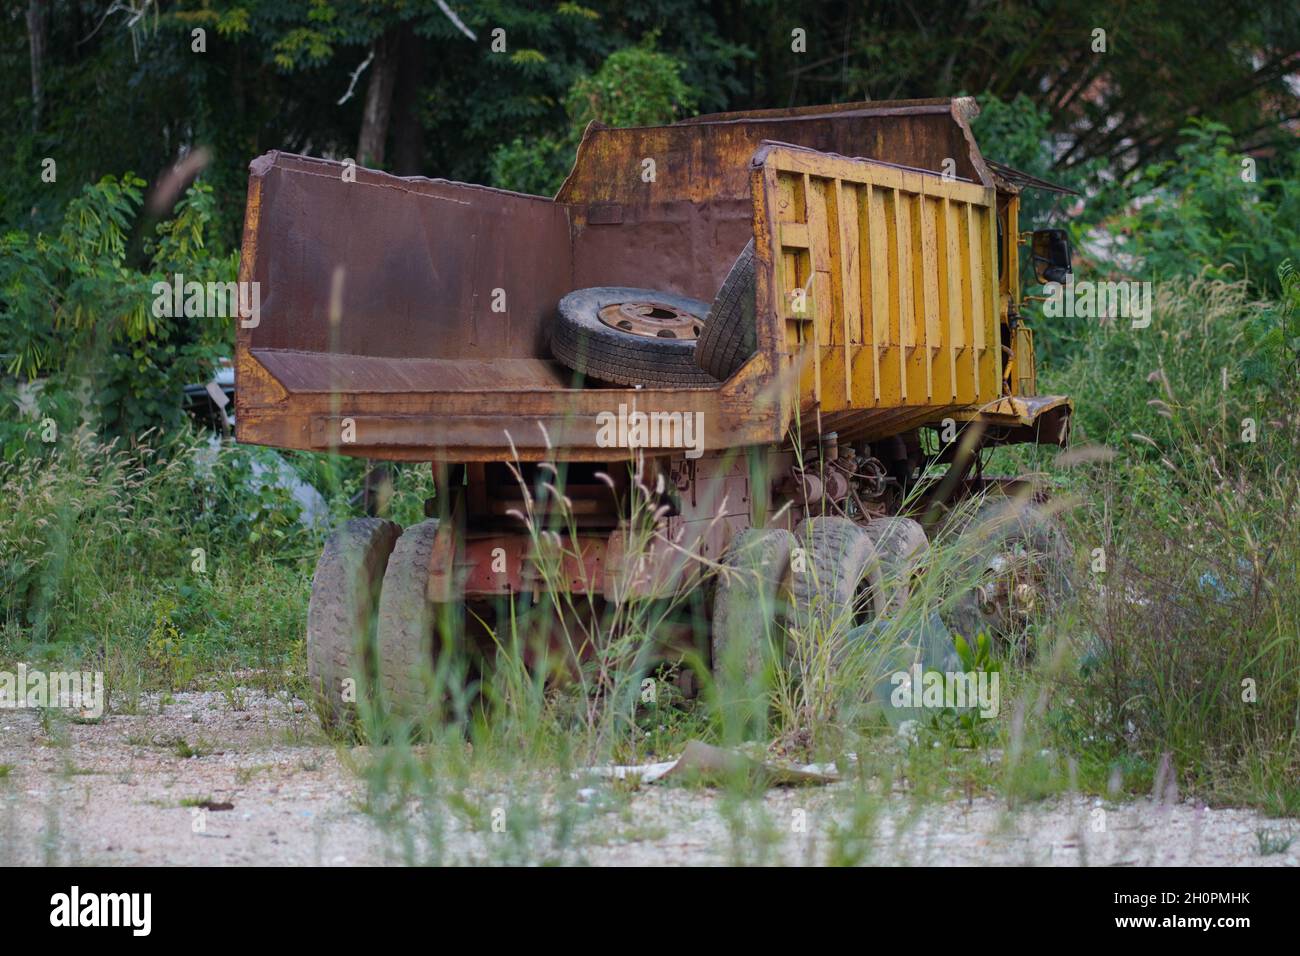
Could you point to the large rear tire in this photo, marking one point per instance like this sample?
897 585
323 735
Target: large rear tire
902 546
407 625
1020 560
750 609
750 602
341 615
839 582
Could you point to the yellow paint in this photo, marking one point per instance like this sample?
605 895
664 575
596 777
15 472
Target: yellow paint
1024 380
900 269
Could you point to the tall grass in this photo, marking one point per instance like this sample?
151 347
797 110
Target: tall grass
1190 636
157 564
1180 653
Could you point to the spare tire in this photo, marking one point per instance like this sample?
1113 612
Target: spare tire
631 336
730 334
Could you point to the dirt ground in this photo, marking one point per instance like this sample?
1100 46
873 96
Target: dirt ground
126 791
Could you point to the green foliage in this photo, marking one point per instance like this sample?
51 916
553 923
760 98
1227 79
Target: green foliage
59 286
76 312
1284 336
968 727
1211 353
1200 214
126 93
1272 842
1163 62
1196 518
536 166
1208 213
1019 133
634 87
96 538
26 291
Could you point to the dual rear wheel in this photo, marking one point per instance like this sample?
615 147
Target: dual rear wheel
371 628
378 644
831 573
372 631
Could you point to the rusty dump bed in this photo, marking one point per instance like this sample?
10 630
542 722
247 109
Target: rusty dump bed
408 318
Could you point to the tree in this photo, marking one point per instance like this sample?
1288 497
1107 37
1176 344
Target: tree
637 86
36 32
1120 96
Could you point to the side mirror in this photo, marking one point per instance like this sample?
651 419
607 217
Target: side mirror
1051 252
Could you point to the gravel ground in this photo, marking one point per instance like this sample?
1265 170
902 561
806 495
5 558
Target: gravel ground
122 792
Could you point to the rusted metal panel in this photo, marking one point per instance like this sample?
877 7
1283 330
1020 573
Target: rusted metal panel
356 262
1040 419
912 107
484 565
413 314
702 161
330 372
409 353
675 246
1024 372
500 564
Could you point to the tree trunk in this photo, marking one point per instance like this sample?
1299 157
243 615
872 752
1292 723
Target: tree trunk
36 34
379 100
408 134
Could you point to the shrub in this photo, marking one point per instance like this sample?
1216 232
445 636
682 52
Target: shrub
1188 636
76 311
637 86
94 534
1210 212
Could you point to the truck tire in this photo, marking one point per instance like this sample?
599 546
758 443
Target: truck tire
901 544
586 343
341 614
1021 560
747 604
404 636
840 583
730 334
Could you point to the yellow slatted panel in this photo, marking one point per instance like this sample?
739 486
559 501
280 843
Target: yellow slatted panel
866 358
879 330
836 370
949 301
849 278
823 301
961 319
918 356
899 268
792 233
977 302
827 246
992 370
930 293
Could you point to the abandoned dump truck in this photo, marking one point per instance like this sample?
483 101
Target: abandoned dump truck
759 319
